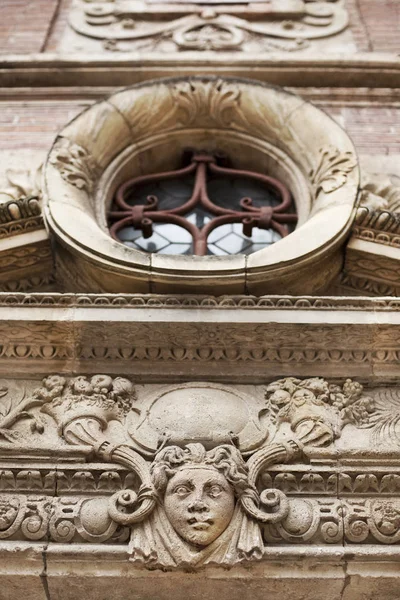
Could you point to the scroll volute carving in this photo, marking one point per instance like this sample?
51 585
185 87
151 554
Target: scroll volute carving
285 26
199 501
83 407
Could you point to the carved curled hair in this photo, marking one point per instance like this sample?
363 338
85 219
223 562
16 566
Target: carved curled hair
225 459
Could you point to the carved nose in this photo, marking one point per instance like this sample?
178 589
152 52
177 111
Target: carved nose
197 506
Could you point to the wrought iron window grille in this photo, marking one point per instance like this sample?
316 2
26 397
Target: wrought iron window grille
201 166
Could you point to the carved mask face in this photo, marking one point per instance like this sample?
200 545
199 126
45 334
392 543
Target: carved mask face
199 503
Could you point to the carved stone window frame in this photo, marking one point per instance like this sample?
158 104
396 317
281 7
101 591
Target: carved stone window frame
144 128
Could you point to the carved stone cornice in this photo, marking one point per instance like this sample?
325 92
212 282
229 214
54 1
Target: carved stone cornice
379 226
20 216
373 252
41 283
366 70
25 256
287 569
192 301
372 259
25 253
240 338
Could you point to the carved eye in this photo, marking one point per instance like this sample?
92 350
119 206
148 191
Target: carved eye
182 490
214 491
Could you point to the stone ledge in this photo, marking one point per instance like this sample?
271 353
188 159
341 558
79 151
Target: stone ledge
262 340
362 70
366 572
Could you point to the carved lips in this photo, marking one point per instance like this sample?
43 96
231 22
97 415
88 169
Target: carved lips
199 503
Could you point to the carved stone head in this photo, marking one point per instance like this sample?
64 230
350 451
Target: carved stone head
199 489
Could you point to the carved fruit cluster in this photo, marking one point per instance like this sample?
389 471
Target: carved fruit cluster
101 391
324 406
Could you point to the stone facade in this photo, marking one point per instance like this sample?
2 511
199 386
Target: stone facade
177 426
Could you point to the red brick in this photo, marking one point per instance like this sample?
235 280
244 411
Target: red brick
24 25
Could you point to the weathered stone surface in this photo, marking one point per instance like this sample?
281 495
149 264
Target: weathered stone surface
201 446
324 181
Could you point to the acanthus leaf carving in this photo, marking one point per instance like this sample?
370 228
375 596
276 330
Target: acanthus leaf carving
21 184
384 420
380 192
332 171
75 164
218 100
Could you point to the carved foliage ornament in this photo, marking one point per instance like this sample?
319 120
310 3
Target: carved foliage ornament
20 201
21 184
332 170
235 116
190 501
289 25
75 164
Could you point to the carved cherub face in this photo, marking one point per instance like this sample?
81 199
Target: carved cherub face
199 503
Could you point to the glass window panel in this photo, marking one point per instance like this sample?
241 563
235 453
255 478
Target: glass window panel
224 191
177 249
173 233
233 244
129 234
213 249
219 233
155 243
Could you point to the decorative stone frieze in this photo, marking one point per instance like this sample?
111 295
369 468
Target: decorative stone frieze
192 474
274 337
380 192
171 27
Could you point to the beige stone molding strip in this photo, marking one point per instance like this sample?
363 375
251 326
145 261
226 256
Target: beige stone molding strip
193 302
103 571
266 339
337 70
322 95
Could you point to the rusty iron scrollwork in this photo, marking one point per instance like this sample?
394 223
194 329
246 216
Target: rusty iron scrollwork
202 166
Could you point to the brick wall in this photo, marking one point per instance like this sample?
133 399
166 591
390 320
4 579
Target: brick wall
25 25
374 130
382 21
34 124
28 26
60 25
358 26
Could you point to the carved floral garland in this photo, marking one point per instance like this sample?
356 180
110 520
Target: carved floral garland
256 501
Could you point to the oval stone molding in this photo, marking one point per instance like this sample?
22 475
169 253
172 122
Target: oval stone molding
201 413
145 128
